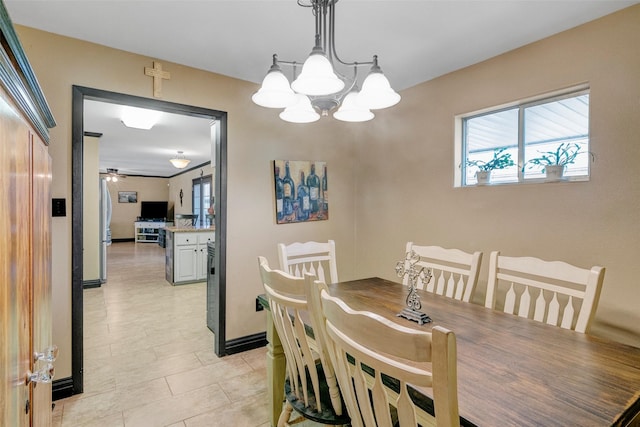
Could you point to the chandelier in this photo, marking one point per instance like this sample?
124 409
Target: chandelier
179 161
320 88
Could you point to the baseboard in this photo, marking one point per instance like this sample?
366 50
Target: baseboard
246 343
62 388
130 239
88 284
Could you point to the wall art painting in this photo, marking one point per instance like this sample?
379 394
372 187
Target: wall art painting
301 191
127 197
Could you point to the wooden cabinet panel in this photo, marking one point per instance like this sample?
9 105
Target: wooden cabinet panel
15 265
41 299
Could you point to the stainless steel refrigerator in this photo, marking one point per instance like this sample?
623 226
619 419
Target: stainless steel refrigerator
105 227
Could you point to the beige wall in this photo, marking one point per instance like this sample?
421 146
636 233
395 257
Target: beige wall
123 215
405 171
255 137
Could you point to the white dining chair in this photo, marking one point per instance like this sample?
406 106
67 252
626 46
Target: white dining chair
454 273
311 387
554 292
367 350
316 258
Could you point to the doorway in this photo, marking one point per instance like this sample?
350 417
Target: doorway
80 94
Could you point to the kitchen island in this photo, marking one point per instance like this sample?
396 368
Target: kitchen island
186 254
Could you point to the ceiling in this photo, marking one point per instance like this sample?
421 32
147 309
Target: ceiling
146 152
415 40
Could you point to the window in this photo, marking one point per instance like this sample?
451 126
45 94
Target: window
531 134
202 199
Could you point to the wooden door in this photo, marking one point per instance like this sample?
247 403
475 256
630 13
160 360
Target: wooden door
41 292
15 266
25 270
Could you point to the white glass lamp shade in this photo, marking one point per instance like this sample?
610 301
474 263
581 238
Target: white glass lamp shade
300 112
317 76
352 111
179 161
377 93
275 91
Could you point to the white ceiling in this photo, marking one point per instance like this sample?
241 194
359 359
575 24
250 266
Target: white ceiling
415 40
147 152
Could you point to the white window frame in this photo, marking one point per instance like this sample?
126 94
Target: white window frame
521 105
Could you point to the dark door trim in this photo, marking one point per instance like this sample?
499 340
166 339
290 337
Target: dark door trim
77 139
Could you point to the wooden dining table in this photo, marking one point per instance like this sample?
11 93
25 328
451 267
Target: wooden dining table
512 371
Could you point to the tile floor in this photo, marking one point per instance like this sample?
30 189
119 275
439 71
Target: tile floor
149 358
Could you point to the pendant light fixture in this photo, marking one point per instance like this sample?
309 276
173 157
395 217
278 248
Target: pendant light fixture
319 88
179 161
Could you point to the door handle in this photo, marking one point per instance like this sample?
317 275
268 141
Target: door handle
44 375
50 354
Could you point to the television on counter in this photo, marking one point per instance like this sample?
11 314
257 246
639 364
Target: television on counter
153 211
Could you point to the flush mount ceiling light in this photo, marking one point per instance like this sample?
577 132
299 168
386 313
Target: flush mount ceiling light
320 89
139 118
180 161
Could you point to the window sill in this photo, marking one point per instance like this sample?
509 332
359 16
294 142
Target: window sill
569 179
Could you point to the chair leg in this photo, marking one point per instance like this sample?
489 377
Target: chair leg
334 392
285 414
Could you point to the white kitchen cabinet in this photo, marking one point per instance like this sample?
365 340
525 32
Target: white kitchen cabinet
186 255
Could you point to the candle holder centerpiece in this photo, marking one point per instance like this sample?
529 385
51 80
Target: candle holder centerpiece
413 272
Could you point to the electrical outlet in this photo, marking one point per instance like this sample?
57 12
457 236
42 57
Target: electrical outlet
259 306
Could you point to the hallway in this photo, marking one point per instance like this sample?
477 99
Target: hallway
149 358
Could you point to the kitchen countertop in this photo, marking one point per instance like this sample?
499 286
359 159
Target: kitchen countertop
183 229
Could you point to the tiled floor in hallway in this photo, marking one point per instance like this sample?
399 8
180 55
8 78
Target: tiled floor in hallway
149 359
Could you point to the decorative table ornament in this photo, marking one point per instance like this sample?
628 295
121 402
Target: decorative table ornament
412 311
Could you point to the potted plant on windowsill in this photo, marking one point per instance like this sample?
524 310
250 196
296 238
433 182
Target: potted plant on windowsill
500 160
554 162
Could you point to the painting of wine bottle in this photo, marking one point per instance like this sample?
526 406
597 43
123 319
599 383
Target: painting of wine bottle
301 191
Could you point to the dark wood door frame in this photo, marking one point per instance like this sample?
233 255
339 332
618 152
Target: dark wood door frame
77 137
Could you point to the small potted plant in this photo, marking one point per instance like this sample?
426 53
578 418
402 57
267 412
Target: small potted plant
553 162
500 160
